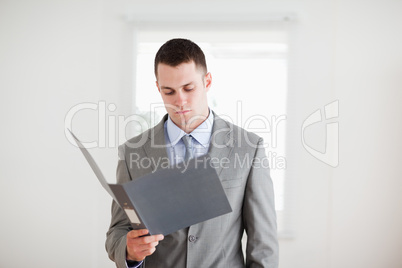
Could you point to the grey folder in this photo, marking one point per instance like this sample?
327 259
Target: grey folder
168 199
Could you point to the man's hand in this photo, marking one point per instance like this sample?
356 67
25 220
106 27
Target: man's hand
139 247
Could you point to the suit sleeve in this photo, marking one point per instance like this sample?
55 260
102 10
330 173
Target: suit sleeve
120 224
259 214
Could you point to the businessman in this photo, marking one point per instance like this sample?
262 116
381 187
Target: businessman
191 129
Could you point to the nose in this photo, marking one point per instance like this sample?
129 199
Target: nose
181 99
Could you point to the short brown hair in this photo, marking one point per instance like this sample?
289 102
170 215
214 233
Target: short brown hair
177 51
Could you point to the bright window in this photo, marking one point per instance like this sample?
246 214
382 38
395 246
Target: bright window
249 85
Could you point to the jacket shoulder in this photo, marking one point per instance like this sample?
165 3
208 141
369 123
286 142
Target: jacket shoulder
142 138
239 134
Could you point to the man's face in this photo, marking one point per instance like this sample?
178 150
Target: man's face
184 92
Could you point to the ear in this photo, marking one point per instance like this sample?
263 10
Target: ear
208 81
157 85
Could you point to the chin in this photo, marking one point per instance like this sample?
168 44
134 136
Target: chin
179 119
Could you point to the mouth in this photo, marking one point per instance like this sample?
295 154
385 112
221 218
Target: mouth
183 111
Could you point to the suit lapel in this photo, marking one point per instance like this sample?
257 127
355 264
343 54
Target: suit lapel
155 148
222 141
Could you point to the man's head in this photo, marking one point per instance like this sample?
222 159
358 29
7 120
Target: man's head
177 51
183 82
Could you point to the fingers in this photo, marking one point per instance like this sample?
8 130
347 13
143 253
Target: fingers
139 238
139 246
137 233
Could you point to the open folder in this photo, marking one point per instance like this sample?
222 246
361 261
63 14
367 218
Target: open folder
168 199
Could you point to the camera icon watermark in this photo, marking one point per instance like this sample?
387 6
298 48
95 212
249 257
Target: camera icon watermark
331 154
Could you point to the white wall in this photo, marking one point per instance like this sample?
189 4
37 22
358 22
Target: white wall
366 212
56 54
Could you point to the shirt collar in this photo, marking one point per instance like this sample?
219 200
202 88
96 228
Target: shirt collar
202 134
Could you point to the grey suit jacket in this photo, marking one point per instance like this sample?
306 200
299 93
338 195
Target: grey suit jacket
243 170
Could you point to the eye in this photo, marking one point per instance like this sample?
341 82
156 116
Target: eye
188 89
169 93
